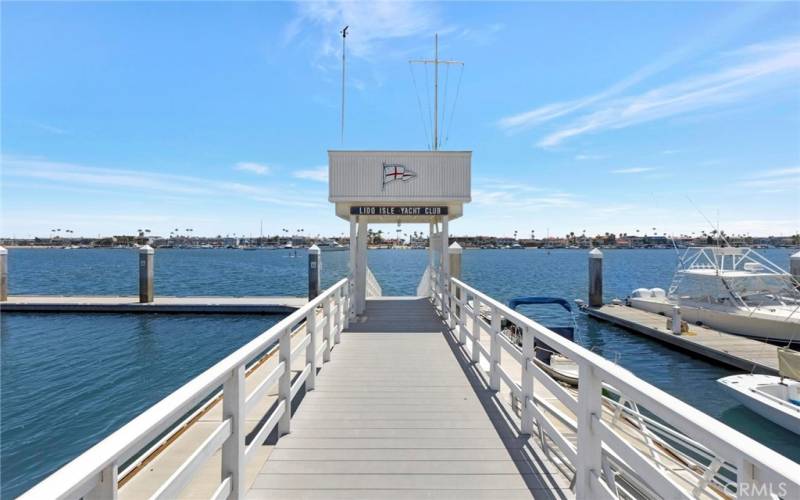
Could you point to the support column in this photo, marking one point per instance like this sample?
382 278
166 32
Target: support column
3 274
361 267
595 278
146 254
314 263
455 251
430 259
444 270
353 251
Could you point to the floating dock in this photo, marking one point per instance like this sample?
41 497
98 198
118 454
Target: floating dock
171 305
731 350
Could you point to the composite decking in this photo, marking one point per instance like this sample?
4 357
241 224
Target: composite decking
399 412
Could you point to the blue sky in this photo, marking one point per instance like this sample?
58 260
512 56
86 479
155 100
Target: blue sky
215 116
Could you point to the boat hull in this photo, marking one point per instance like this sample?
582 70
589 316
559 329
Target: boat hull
742 388
736 322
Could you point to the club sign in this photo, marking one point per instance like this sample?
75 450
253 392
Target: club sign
397 211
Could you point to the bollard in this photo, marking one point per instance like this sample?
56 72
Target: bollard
676 320
595 278
314 254
146 274
794 268
3 274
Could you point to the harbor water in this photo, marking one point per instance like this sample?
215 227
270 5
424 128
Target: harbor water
69 380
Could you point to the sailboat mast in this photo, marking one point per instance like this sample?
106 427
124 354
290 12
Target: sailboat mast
436 93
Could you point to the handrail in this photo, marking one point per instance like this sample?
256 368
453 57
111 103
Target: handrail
756 465
373 287
94 472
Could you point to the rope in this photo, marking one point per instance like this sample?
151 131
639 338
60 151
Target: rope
444 103
455 103
419 106
428 98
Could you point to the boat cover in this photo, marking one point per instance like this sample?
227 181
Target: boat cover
789 363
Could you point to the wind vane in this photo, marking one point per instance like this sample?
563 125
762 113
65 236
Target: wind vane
436 62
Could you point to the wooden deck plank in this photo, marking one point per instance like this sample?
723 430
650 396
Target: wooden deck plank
397 414
731 350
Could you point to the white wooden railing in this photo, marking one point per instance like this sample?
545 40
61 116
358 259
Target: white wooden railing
608 462
94 474
373 287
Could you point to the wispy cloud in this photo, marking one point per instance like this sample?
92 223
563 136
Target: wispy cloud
502 193
776 180
585 157
778 172
50 128
74 175
739 74
318 174
633 170
764 70
255 168
374 25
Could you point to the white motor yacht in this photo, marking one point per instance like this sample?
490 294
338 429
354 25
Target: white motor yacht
735 290
330 246
776 398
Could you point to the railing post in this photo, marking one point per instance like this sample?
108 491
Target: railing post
494 348
285 382
337 333
526 379
476 328
106 488
233 398
589 444
461 319
311 348
344 317
326 329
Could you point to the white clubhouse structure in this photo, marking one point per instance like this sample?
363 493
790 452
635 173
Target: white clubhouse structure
388 187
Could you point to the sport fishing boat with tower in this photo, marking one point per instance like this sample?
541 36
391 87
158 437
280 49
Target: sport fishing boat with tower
733 289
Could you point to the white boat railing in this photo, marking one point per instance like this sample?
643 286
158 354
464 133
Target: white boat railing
720 462
94 474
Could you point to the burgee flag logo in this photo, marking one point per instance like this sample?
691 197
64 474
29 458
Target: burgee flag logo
393 172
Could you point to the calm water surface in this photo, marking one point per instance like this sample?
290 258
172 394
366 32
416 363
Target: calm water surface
67 381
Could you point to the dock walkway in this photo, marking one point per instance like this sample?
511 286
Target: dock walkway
161 304
399 412
731 350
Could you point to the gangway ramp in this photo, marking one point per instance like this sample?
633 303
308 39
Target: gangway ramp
401 413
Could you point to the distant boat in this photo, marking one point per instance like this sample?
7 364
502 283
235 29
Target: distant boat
331 246
776 398
735 290
288 245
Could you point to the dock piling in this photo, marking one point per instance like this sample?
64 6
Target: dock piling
314 254
595 278
3 274
146 254
676 320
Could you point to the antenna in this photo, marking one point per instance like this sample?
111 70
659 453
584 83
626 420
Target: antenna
344 37
436 62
